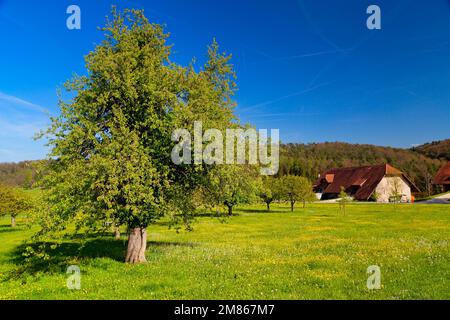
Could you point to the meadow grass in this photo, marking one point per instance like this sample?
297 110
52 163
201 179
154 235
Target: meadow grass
312 253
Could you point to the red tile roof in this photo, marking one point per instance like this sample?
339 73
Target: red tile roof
366 179
443 175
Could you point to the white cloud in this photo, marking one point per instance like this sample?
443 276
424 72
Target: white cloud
17 101
20 121
12 129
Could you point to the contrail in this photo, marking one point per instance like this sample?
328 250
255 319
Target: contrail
294 94
316 29
298 56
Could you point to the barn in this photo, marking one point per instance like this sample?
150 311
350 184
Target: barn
442 177
381 183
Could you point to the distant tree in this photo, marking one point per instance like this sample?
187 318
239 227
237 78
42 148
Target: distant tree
28 179
230 185
295 189
427 181
270 190
343 200
395 186
14 201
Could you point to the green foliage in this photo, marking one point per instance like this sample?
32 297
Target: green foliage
230 185
110 147
270 190
294 188
14 201
343 200
375 196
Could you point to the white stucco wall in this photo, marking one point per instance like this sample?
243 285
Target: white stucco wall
385 189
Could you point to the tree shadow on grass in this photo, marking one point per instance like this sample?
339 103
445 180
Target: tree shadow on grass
169 244
60 256
214 215
9 229
323 215
262 210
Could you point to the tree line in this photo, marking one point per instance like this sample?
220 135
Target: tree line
21 174
307 160
435 149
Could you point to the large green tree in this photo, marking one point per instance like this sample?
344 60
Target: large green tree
110 159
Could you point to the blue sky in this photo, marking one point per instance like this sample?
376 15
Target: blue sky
310 68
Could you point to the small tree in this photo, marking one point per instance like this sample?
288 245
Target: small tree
28 179
395 189
343 200
230 185
270 190
14 201
295 189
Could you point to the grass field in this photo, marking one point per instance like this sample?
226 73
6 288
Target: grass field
312 253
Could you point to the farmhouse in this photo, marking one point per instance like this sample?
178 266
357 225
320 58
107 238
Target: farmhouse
442 178
381 183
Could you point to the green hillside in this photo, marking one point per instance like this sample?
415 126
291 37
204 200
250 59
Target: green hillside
310 159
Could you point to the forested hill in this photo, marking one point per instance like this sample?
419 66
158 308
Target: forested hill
310 159
21 174
435 149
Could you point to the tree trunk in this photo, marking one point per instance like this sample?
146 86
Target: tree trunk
137 243
292 206
268 206
304 204
13 221
230 210
116 233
